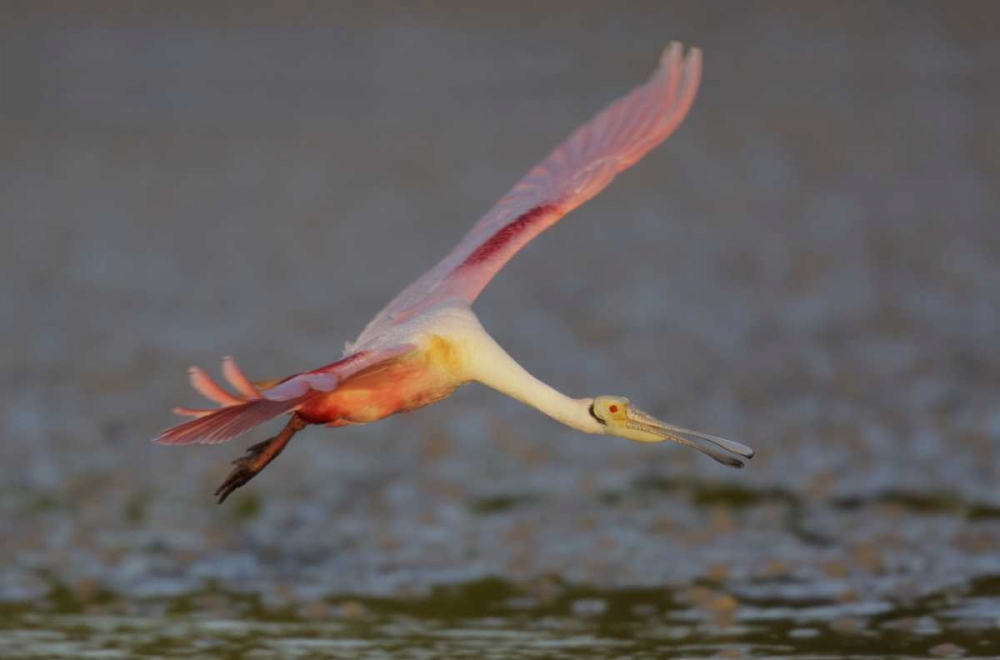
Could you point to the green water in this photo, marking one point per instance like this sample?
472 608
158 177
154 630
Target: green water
497 619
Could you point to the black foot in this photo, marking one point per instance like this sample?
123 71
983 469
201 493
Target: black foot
245 470
257 458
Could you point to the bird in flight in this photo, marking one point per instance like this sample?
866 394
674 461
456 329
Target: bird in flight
427 342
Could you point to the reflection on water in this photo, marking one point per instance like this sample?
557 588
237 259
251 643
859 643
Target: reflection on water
497 619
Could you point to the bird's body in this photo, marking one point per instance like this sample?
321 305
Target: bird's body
428 342
437 364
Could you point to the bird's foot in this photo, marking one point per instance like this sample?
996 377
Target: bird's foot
246 469
258 456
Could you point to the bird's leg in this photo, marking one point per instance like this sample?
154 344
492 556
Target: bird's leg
257 458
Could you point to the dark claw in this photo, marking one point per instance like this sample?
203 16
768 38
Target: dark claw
245 470
257 458
255 449
242 473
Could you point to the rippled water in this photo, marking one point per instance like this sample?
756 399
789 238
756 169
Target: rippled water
496 619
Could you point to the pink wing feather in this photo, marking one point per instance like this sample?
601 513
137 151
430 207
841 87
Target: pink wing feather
252 407
575 171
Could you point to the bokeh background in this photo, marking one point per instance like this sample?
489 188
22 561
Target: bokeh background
810 265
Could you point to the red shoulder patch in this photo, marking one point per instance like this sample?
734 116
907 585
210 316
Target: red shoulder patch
507 233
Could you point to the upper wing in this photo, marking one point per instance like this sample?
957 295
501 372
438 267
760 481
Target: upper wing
575 171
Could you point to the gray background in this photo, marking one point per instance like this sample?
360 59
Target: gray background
810 265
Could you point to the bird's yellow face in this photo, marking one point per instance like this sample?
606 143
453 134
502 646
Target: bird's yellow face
610 410
620 418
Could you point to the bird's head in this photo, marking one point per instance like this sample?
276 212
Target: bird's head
617 416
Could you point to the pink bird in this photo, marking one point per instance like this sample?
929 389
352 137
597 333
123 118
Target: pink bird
427 342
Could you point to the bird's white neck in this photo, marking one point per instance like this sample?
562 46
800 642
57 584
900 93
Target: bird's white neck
487 363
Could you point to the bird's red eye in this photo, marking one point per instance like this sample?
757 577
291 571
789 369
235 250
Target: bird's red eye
613 408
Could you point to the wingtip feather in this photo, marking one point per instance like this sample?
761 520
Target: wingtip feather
235 377
209 389
671 55
225 423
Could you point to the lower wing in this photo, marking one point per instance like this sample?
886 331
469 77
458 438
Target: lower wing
253 404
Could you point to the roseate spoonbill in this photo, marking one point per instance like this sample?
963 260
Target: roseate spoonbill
427 341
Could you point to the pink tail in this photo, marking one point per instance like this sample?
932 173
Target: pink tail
238 413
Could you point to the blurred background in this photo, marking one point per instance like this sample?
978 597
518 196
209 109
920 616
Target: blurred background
810 265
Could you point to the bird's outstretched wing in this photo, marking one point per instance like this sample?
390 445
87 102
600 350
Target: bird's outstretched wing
253 404
575 171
